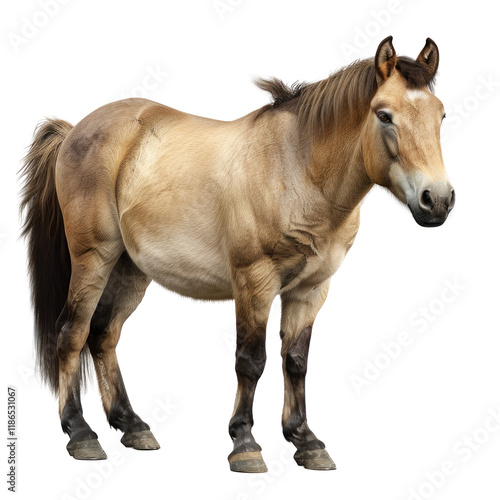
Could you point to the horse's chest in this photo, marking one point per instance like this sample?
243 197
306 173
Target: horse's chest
323 266
307 265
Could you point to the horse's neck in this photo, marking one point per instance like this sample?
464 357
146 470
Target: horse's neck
326 178
336 167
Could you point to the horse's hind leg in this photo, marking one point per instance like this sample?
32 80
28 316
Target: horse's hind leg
124 291
91 266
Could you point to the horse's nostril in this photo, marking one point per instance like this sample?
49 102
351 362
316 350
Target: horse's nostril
451 204
426 200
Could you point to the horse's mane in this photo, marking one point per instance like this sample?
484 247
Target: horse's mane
346 92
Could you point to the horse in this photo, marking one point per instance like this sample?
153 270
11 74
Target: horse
265 205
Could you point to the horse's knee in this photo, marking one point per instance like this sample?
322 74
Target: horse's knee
251 355
296 356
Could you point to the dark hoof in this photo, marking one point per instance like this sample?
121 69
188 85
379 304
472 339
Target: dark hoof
142 440
314 459
247 461
89 449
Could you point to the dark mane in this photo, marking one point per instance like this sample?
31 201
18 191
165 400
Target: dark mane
348 91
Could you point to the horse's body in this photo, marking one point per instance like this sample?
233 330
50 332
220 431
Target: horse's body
264 205
221 194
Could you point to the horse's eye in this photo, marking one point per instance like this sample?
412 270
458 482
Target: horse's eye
384 117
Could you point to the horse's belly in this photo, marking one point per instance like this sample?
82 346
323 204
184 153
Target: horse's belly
189 262
200 284
199 275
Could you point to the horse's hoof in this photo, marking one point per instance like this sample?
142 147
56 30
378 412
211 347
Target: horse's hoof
90 449
314 459
247 461
142 440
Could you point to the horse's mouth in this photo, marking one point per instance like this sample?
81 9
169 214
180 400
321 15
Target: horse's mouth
426 219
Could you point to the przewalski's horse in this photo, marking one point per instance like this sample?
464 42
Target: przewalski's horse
264 205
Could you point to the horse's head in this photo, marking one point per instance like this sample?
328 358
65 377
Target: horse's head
401 142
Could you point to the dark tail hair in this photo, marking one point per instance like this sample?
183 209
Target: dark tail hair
48 255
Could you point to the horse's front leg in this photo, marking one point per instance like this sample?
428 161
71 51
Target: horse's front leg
254 288
299 309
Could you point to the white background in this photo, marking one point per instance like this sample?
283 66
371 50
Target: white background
417 412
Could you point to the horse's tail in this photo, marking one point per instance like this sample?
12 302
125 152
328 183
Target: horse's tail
48 254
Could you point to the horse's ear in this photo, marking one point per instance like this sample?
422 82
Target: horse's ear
385 59
429 57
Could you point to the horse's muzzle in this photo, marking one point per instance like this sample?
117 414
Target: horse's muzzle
433 204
